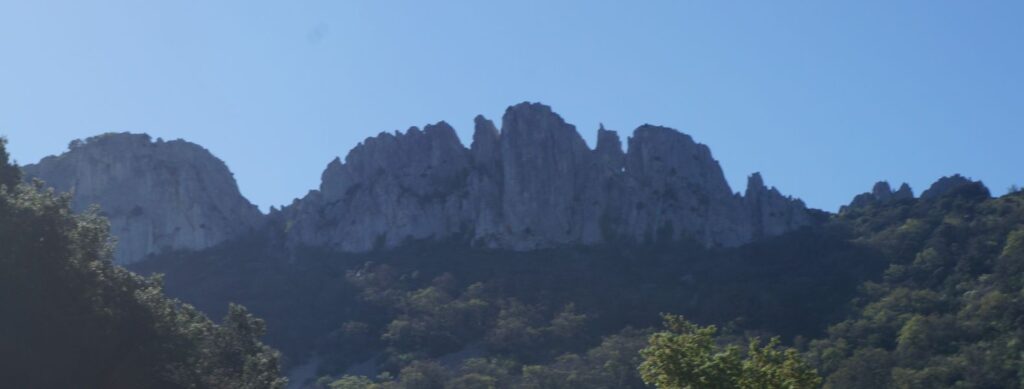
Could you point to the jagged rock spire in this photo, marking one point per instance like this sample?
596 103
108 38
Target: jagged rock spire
532 183
535 183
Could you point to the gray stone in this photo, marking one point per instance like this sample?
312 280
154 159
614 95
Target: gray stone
772 213
534 184
391 189
157 195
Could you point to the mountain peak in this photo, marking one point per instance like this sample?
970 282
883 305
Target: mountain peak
157 195
954 184
534 183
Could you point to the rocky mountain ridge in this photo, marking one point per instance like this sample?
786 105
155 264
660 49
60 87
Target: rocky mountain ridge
531 184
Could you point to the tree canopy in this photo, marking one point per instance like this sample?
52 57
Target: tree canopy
10 175
686 356
949 310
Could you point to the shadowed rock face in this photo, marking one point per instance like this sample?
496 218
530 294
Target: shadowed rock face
533 184
946 185
157 195
881 193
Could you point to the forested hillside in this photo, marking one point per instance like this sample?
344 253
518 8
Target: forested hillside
914 293
379 312
949 309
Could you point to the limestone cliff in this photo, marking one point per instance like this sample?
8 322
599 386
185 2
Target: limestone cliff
533 184
157 195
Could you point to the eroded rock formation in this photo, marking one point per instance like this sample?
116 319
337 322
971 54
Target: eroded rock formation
158 195
533 184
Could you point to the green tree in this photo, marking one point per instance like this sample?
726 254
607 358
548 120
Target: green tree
351 382
686 356
10 175
423 375
73 319
240 356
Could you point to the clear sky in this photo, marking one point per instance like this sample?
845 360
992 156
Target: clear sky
824 98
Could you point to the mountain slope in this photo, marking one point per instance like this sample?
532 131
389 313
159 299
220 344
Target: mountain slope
949 309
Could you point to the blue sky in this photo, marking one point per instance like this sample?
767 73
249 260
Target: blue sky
824 98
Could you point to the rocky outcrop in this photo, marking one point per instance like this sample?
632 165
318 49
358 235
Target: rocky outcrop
771 212
157 195
955 185
390 189
534 183
881 193
948 184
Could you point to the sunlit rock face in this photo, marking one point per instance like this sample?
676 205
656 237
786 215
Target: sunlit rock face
772 213
157 195
392 188
533 184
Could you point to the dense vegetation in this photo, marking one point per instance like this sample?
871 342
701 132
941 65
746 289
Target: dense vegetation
518 319
949 310
911 294
686 356
71 319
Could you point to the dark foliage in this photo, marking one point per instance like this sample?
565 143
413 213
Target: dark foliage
10 175
949 311
72 319
380 311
